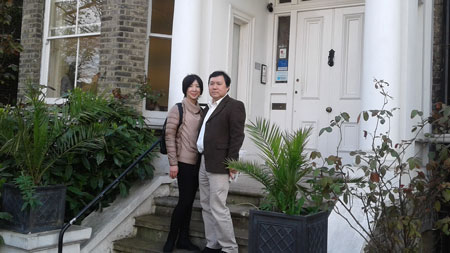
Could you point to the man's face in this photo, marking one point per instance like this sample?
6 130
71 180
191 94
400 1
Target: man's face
217 87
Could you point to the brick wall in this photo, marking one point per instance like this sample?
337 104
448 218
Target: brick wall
438 88
31 40
123 46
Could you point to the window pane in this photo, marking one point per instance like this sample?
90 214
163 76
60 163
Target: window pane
61 74
159 70
285 1
282 49
88 63
89 16
63 17
64 65
162 16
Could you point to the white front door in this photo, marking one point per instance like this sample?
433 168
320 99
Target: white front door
326 85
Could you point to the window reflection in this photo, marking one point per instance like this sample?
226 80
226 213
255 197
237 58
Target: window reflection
160 40
282 54
88 64
74 61
159 70
89 16
63 17
64 65
62 69
162 16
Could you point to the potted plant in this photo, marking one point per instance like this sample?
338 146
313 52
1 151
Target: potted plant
294 215
35 137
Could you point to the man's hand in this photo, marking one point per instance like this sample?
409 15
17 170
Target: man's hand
232 173
173 171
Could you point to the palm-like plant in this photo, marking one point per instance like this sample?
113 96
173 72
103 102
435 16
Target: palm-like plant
285 165
38 136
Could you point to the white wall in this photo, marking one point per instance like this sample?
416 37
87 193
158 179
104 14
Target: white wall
416 65
215 44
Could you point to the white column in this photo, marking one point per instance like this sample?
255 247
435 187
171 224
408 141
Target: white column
186 37
381 60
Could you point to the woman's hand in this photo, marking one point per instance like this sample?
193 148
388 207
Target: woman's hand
173 171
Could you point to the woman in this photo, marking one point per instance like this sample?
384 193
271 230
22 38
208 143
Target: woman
184 161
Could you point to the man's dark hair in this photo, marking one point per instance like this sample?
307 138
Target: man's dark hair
221 73
189 79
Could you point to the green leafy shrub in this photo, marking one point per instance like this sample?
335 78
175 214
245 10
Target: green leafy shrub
10 48
127 137
84 143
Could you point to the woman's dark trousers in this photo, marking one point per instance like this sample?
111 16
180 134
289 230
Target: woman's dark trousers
181 217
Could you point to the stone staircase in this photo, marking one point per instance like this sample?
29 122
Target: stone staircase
152 229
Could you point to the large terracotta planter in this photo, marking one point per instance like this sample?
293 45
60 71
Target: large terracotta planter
278 232
48 216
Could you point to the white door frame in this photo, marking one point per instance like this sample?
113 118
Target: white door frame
247 24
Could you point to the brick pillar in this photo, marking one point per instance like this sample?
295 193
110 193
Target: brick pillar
123 46
31 40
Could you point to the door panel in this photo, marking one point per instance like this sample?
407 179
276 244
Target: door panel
346 89
310 85
318 86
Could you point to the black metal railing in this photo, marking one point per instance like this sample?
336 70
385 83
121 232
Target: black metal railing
99 196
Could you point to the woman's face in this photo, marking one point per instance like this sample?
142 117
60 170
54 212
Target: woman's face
193 91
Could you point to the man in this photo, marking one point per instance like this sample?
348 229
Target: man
220 138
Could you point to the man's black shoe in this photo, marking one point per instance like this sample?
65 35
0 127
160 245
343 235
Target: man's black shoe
209 250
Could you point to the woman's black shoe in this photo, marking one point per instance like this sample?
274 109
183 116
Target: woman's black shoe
168 247
170 243
185 243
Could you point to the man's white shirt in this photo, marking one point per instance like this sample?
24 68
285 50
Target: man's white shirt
212 107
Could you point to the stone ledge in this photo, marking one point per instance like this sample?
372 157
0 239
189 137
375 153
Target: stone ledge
116 221
44 241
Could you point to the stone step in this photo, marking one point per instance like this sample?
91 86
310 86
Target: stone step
239 213
137 245
153 227
235 195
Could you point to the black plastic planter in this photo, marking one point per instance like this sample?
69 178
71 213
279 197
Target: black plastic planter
48 216
278 232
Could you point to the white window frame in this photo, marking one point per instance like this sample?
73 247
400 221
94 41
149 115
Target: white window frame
46 39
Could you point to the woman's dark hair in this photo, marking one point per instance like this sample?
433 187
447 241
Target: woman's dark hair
221 73
189 79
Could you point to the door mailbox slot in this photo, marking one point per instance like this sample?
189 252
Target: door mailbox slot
278 106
